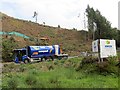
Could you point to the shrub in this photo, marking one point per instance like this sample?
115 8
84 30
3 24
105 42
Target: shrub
55 62
89 59
108 66
9 68
67 64
58 26
90 65
31 39
40 84
22 69
34 72
112 60
78 66
62 61
54 81
50 67
31 79
102 67
7 49
12 83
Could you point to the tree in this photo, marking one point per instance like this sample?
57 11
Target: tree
58 26
118 40
7 48
103 26
90 14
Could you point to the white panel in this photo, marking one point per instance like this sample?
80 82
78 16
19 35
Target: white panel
56 49
95 46
107 48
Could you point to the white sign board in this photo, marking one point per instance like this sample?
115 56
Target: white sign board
107 47
95 46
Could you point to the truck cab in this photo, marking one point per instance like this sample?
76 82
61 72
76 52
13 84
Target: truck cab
18 54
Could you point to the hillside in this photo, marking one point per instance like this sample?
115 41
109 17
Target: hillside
73 42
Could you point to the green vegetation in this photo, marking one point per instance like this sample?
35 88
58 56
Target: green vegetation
100 26
7 48
71 73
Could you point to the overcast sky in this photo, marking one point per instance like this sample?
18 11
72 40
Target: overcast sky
60 12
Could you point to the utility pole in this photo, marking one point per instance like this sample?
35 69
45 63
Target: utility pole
84 21
94 28
99 45
85 26
35 16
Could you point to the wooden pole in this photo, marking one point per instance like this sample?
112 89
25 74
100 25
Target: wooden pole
99 51
99 45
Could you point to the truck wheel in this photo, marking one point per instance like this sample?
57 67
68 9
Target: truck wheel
52 58
26 61
59 58
43 59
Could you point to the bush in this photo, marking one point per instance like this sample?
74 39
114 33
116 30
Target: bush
90 65
112 60
55 62
58 26
34 72
12 83
50 67
39 84
102 67
62 61
54 81
89 59
7 49
67 64
31 39
78 66
22 69
107 68
31 79
9 68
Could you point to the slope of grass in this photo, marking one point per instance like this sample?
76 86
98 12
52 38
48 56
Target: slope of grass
56 74
73 42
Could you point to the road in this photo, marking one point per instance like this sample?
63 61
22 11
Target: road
72 57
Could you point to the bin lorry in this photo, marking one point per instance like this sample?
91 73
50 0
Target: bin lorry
38 53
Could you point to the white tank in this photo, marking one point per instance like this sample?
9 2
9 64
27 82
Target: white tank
56 49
